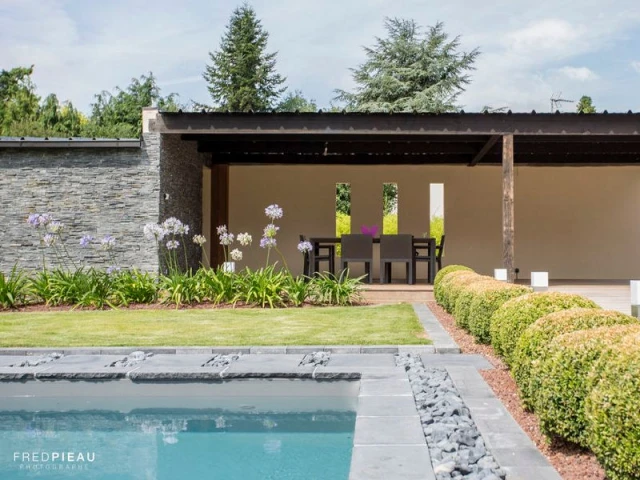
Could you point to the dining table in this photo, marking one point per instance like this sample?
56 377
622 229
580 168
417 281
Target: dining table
422 246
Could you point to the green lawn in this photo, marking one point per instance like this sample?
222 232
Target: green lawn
378 325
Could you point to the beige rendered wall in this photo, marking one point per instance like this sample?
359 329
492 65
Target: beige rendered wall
576 222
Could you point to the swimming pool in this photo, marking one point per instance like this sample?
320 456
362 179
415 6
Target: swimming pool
245 429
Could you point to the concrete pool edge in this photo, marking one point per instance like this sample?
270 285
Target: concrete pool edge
385 441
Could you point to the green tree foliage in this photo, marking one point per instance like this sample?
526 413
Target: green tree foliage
113 115
242 75
343 198
585 105
119 115
411 71
18 100
295 101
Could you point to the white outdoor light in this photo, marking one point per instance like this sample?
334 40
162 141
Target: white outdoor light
500 274
540 281
635 298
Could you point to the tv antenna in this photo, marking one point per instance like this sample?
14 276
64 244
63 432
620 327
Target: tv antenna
557 101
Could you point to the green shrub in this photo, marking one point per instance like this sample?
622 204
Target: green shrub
436 229
484 305
82 288
563 382
437 282
134 286
14 288
390 224
40 286
612 410
535 340
343 227
179 288
261 287
514 316
454 284
216 285
297 290
466 296
327 289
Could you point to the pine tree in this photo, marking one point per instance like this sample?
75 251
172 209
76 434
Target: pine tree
242 75
411 71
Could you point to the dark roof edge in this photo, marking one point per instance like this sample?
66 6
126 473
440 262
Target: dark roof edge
462 113
73 142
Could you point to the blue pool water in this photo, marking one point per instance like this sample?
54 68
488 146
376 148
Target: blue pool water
175 444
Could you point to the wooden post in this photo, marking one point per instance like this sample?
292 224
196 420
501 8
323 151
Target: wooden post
219 209
508 246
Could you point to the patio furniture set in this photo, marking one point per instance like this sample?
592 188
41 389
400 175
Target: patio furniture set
358 248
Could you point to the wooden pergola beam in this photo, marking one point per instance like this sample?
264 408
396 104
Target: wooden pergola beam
508 230
484 150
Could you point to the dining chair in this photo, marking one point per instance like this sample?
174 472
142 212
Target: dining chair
323 253
357 248
439 250
397 249
423 254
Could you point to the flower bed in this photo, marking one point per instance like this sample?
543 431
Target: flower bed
70 282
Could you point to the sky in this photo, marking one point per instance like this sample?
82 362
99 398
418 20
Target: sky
531 50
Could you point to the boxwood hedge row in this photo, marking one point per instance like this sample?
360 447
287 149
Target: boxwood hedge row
577 366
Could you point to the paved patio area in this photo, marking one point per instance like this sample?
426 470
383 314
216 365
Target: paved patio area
609 294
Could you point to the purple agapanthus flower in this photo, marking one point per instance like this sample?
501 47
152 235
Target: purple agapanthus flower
49 239
86 240
274 211
108 242
266 242
305 247
172 244
39 219
113 269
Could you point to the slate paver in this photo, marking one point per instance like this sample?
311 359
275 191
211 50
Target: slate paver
390 462
456 359
388 431
442 341
385 386
359 360
386 406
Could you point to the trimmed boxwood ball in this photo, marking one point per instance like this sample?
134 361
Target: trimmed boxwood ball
486 302
467 295
535 340
514 316
456 283
563 381
437 282
612 410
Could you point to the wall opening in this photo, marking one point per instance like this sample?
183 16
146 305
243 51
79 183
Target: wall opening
436 213
390 208
343 211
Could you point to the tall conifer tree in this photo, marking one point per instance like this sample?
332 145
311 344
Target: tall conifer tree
242 75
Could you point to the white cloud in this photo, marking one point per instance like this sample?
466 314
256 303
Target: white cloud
80 47
581 74
636 65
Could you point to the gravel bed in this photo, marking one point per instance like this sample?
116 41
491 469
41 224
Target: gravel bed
457 449
572 462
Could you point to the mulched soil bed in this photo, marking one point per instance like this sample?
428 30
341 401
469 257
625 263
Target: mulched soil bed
571 462
41 307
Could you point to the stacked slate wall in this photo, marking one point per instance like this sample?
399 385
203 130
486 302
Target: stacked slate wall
181 191
94 191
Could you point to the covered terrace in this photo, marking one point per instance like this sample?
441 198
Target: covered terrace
552 192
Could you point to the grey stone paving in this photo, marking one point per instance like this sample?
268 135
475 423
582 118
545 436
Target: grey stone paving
442 341
388 439
509 444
